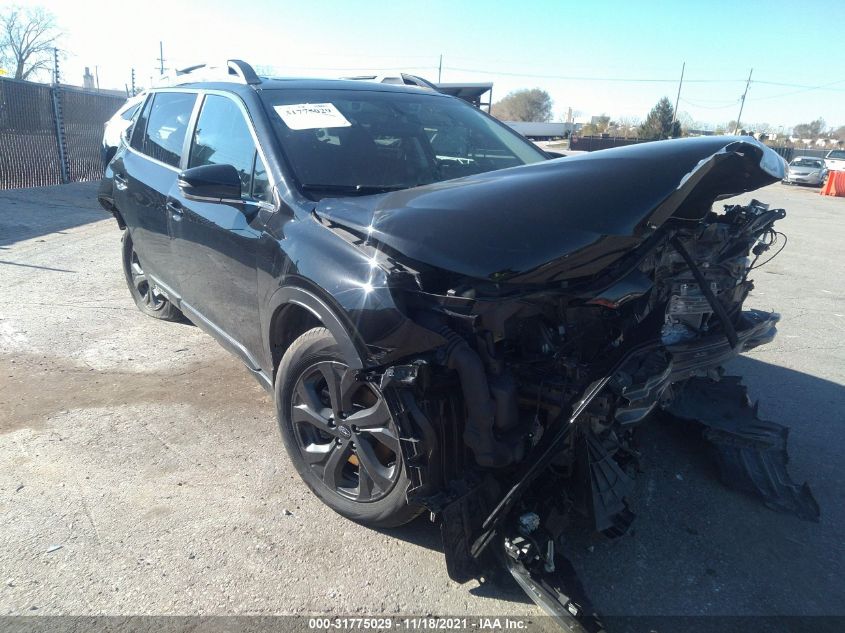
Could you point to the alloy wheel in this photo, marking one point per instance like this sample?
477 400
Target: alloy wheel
148 292
345 432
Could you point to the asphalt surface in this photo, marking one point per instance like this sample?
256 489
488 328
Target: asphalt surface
143 473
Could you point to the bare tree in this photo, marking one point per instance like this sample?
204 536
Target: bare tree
628 126
27 39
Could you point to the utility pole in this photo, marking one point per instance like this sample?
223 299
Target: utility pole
161 57
55 65
678 98
440 68
97 76
742 102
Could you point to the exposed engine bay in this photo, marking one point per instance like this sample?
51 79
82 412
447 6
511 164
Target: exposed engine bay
572 376
527 414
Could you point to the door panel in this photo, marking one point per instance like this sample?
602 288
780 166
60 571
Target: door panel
147 173
216 246
215 243
143 210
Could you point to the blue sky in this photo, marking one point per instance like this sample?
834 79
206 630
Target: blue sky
614 58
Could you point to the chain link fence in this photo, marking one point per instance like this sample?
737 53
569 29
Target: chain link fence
51 134
790 152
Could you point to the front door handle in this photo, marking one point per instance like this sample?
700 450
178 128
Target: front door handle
176 209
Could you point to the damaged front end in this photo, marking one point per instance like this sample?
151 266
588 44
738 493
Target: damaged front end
565 317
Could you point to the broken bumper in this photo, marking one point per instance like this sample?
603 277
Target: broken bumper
689 359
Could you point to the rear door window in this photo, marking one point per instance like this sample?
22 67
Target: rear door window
163 125
222 137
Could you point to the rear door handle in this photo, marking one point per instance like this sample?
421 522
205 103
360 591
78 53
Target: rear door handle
120 182
176 209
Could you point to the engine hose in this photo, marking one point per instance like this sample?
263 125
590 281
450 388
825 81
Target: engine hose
481 407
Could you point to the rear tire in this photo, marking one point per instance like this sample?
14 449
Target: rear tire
147 297
340 434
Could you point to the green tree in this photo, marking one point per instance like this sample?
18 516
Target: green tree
524 105
659 123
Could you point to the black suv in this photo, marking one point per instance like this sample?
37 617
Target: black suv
450 319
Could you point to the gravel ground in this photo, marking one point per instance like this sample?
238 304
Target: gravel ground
143 472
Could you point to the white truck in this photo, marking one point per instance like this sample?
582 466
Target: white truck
834 160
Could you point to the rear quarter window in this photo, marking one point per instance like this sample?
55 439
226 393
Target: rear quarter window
129 114
161 129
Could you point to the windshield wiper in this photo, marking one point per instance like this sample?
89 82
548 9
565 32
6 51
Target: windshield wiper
351 190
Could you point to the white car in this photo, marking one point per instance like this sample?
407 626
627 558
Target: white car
835 160
116 125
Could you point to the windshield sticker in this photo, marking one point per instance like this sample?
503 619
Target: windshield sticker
311 116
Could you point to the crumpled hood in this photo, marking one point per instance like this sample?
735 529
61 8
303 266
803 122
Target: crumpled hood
561 219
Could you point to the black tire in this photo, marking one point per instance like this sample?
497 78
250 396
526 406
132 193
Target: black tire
146 297
355 469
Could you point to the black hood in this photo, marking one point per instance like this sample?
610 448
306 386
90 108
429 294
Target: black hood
560 219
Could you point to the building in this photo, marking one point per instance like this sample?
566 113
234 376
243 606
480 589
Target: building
472 93
543 131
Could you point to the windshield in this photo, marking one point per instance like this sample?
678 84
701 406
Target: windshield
837 154
354 142
806 162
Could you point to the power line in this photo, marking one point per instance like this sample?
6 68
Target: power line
730 104
583 78
796 92
356 69
805 86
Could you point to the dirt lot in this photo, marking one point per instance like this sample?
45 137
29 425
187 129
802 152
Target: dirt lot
142 471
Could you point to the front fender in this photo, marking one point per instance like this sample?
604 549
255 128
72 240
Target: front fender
307 263
287 295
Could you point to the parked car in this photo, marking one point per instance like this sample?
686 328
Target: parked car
117 125
835 160
449 320
806 170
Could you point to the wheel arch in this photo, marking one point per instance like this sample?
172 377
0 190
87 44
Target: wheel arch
294 311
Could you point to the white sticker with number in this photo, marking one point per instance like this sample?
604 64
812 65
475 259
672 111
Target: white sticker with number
311 116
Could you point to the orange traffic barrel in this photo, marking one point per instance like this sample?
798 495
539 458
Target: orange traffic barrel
835 184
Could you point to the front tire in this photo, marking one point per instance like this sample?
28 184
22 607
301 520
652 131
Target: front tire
147 297
340 434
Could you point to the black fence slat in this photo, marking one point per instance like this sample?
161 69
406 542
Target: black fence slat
29 133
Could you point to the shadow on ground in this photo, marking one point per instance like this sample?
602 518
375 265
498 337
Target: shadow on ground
30 213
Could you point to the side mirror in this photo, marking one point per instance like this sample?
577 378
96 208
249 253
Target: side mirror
211 183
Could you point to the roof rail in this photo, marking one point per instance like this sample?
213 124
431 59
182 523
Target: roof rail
244 71
413 80
233 70
401 79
